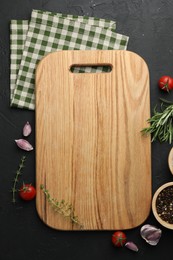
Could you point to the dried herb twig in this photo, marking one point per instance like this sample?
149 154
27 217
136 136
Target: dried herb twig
62 207
161 124
18 173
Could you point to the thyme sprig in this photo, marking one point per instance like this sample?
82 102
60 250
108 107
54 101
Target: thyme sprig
64 208
18 173
161 123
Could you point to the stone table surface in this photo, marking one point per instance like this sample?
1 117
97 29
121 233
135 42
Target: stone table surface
23 235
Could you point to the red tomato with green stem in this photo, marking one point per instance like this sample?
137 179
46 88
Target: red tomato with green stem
119 238
166 83
27 192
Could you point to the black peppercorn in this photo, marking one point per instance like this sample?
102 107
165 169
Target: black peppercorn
164 204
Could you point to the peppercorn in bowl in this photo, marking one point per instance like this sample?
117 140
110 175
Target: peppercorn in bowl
162 205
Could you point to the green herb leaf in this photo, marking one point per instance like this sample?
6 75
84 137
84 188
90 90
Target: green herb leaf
161 124
18 173
62 207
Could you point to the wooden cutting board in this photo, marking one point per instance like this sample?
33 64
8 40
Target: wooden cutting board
89 148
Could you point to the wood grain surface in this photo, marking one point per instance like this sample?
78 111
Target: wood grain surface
89 148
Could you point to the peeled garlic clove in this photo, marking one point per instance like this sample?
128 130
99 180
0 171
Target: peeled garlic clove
151 234
23 144
27 129
132 246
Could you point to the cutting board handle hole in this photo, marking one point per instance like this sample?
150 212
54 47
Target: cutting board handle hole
91 68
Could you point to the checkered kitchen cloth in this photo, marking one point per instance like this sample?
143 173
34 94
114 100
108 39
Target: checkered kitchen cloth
18 32
49 32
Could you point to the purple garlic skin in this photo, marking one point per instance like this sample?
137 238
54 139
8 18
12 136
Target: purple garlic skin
132 246
151 234
24 145
27 129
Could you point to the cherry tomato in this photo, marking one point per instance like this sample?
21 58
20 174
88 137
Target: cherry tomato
27 192
165 83
119 238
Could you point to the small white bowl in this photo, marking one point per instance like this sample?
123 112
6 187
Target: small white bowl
154 208
170 160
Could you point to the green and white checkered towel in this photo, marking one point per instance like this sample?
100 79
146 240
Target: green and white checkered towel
18 31
48 32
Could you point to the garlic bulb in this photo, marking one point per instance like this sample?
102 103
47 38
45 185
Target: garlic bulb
151 234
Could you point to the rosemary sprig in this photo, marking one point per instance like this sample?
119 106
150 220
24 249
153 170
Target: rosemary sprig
161 124
18 173
62 207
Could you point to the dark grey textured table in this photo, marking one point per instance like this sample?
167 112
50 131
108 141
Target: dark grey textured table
23 235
